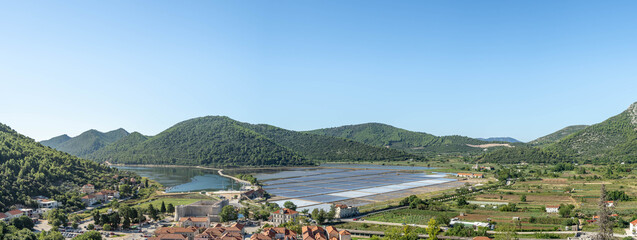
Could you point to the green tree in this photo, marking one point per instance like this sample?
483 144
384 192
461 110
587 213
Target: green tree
245 212
126 222
170 208
106 227
50 235
432 229
228 213
604 221
152 212
90 235
290 205
125 190
22 222
163 207
506 232
523 198
462 201
57 218
90 226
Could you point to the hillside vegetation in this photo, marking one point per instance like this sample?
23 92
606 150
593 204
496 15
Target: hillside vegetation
558 135
223 142
382 135
29 169
325 148
206 141
85 143
613 140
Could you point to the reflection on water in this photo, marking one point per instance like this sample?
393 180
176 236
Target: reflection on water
184 179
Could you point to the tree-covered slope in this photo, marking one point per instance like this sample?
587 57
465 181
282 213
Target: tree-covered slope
121 145
29 169
556 136
326 148
56 141
208 141
382 135
85 143
612 140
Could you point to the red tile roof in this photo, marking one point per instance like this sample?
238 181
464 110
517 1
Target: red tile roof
286 211
15 212
2 215
481 238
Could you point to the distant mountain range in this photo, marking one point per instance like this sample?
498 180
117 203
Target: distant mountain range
499 139
612 140
221 141
85 143
383 135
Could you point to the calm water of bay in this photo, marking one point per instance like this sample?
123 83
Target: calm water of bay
184 179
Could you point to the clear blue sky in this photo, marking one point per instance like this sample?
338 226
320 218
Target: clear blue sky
476 68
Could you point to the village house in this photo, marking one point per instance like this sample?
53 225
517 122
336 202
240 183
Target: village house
88 189
470 175
14 214
610 203
275 233
89 200
552 208
4 217
218 232
330 232
283 215
483 168
254 194
633 228
47 203
194 222
170 236
344 211
187 232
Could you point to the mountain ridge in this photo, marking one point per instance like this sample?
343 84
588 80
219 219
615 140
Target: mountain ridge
384 135
297 147
86 143
612 140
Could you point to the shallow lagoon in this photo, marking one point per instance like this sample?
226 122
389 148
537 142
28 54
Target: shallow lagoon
184 179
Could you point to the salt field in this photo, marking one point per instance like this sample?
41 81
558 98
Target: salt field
317 188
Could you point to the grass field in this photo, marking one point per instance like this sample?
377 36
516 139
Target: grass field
182 199
409 216
373 227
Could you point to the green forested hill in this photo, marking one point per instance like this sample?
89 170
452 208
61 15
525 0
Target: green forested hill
208 141
325 148
56 141
85 143
382 135
28 169
556 136
613 140
121 145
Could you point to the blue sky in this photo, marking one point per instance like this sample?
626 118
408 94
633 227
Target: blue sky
475 68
